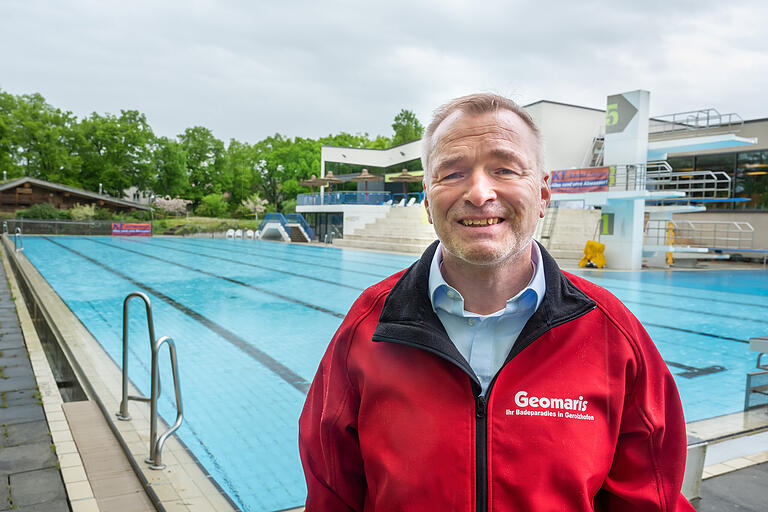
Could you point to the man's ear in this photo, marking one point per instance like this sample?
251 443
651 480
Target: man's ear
426 202
546 195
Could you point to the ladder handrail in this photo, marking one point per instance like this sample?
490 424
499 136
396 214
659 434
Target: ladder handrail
155 443
123 414
156 446
18 240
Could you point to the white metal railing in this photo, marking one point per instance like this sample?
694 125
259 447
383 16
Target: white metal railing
18 240
156 443
697 184
700 233
627 177
693 120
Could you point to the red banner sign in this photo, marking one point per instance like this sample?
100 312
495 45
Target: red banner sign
131 229
592 179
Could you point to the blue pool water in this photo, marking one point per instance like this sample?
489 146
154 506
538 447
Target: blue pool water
252 319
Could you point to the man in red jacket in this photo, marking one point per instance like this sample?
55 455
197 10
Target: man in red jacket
483 377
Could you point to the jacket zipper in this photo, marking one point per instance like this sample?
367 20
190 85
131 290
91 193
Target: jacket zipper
481 464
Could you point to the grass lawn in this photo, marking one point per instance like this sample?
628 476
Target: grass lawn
186 225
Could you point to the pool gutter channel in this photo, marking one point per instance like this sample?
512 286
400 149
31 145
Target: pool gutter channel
82 346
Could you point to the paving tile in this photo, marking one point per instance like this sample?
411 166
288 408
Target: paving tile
18 370
25 433
19 397
58 506
73 474
4 502
87 505
14 383
27 457
35 487
137 502
79 490
21 414
738 463
10 355
69 460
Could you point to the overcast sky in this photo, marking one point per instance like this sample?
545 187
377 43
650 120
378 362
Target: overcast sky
248 69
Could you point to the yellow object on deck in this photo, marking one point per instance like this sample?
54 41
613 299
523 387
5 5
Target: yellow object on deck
593 253
670 241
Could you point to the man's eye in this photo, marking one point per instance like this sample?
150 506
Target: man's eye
450 176
508 172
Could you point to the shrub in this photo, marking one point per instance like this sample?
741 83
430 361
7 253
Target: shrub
103 214
212 205
82 211
42 211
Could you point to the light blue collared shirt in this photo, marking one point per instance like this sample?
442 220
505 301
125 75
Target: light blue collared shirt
485 340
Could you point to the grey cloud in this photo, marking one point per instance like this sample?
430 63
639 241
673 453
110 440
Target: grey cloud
249 69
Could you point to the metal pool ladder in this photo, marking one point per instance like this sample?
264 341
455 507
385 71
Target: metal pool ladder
18 242
155 443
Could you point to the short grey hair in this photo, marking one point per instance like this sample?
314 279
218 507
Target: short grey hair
475 104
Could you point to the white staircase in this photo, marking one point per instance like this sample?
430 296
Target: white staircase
403 229
569 232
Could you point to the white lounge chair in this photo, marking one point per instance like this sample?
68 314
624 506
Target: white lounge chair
249 234
230 234
239 234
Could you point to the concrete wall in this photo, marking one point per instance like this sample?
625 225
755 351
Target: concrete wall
566 131
355 215
758 220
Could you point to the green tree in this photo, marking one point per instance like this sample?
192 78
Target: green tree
8 151
116 152
241 162
170 165
407 128
205 162
40 138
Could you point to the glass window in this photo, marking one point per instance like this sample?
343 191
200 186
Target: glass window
752 179
719 163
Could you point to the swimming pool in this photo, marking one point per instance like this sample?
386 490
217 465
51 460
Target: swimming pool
252 319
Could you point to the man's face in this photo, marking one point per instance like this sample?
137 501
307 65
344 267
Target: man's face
485 193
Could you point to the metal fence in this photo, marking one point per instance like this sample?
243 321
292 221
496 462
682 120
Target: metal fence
60 227
706 234
344 198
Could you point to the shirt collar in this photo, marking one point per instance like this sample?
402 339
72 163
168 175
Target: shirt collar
440 290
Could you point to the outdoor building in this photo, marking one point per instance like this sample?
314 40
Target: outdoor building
727 158
25 192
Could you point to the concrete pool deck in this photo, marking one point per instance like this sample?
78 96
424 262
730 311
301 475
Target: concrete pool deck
175 488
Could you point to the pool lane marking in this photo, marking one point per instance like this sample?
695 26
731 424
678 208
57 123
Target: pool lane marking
692 371
265 359
690 331
708 299
271 269
271 255
380 255
391 266
224 278
722 315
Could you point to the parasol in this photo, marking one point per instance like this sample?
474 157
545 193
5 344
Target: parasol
405 177
365 177
330 179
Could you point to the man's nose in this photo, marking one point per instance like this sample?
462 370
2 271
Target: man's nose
480 189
